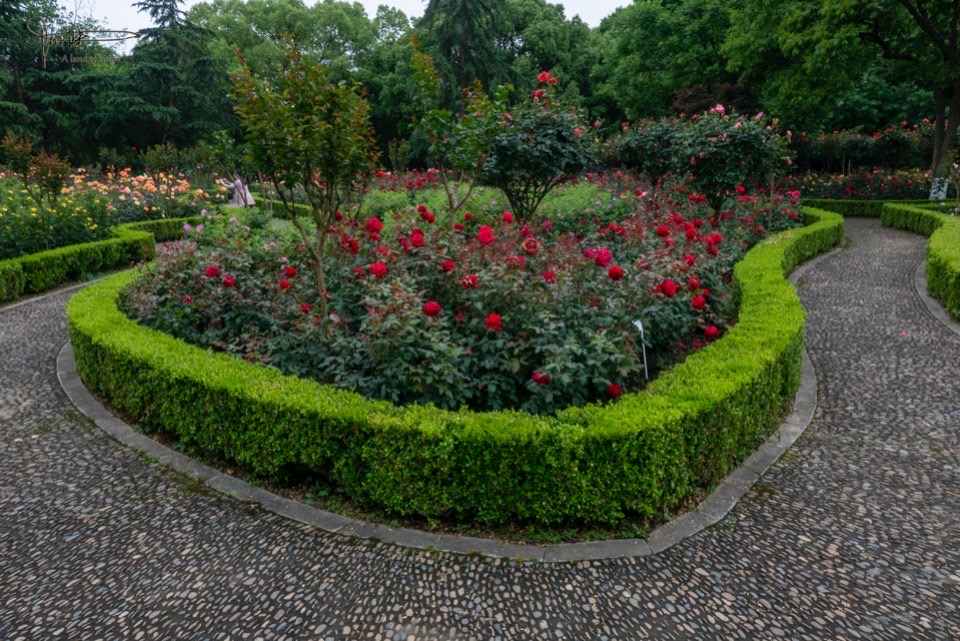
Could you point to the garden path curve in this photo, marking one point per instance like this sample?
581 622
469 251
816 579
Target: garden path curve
854 534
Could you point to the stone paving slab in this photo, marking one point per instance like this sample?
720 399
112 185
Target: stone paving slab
853 534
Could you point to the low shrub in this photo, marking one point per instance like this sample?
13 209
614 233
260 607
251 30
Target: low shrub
943 250
858 208
129 244
642 455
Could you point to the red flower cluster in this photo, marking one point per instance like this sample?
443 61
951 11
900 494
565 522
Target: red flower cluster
485 235
493 322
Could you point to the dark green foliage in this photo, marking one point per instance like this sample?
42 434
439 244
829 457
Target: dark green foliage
642 455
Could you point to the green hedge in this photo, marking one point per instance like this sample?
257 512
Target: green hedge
130 243
857 208
644 454
943 250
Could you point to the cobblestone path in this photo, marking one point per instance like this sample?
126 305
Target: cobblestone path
855 534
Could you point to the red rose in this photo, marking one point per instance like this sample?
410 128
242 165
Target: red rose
379 269
544 76
540 378
448 266
432 309
507 217
212 271
669 288
715 239
530 245
467 215
689 260
306 308
517 261
507 116
229 281
693 283
357 271
493 322
614 390
713 249
552 81
416 238
603 257
457 227
711 332
550 277
284 284
698 302
485 235
373 225
430 218
615 273
469 281
382 250
663 230
538 94
289 272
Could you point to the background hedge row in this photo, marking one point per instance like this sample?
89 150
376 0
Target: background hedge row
130 243
643 454
943 250
857 208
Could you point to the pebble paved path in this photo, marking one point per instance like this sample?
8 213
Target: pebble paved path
855 534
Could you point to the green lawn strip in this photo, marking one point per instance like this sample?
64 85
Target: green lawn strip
642 455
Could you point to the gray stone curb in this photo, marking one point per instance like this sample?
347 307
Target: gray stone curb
934 307
709 511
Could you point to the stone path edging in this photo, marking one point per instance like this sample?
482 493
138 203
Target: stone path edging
712 509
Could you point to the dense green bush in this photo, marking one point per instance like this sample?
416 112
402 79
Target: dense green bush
130 244
943 250
856 208
643 455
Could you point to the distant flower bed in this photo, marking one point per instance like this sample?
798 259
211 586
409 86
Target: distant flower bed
87 207
488 312
876 185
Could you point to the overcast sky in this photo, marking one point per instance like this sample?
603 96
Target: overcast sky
120 14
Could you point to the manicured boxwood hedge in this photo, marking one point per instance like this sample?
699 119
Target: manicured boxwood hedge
857 208
643 454
943 249
130 243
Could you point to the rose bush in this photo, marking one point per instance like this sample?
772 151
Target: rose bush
493 314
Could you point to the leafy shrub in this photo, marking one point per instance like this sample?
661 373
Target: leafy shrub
537 146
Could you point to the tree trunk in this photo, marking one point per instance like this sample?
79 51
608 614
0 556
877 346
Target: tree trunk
944 135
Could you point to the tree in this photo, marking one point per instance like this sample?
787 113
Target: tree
462 35
306 132
818 47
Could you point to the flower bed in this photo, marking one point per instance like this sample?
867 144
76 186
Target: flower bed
487 313
642 455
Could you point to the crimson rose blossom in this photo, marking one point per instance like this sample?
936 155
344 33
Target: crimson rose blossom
432 309
550 277
614 390
693 283
289 272
530 245
448 266
212 271
662 231
698 302
229 281
494 322
469 281
284 284
378 269
544 76
540 378
373 225
711 332
507 217
615 272
485 235
306 308
517 261
603 257
416 238
669 288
